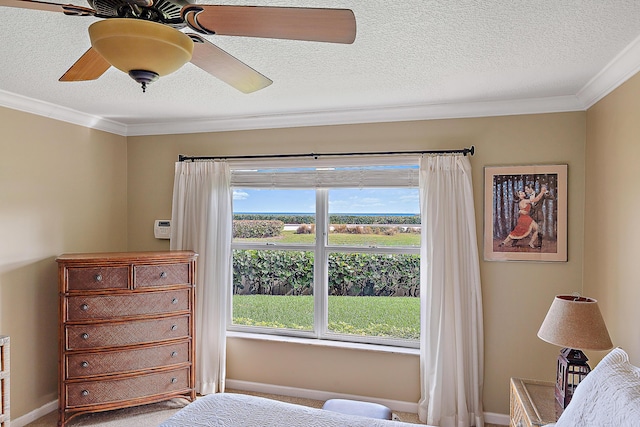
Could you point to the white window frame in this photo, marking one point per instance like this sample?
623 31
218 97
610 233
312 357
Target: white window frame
321 248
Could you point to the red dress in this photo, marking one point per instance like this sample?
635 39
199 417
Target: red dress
523 226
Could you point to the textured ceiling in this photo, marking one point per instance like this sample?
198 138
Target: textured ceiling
411 60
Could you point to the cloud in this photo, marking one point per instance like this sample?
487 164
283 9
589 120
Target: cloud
240 195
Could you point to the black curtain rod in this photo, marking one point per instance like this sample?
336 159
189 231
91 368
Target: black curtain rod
471 150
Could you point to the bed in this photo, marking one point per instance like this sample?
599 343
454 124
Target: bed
239 410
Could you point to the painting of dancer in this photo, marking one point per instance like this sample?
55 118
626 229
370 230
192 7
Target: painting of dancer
526 213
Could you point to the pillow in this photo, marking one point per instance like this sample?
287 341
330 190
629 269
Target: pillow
608 396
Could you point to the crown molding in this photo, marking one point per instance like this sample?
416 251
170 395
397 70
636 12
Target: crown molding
619 70
377 114
63 114
366 115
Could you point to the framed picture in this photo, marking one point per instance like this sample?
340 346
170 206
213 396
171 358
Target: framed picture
525 213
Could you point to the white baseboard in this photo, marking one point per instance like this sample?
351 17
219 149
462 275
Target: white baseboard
497 419
395 405
35 414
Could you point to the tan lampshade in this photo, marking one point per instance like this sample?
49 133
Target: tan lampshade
575 322
135 44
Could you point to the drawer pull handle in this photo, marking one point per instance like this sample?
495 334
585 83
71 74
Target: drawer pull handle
98 277
84 336
85 392
174 380
174 354
84 364
174 327
174 301
84 307
163 275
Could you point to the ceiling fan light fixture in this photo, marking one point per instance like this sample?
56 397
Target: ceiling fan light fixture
143 48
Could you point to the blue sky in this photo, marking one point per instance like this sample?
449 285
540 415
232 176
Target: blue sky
358 201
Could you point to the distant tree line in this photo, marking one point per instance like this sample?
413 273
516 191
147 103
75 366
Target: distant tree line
333 219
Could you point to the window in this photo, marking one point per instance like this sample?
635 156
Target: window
330 253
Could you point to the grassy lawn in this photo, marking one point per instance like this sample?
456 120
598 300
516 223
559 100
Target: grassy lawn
393 317
343 239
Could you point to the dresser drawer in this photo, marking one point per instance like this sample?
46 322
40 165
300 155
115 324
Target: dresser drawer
121 361
91 278
125 333
117 390
160 275
114 306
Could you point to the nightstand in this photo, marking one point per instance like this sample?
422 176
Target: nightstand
533 403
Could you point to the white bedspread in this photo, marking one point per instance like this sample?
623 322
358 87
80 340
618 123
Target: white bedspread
239 410
608 397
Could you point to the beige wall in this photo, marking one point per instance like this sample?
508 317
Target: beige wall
611 212
516 295
62 189
65 188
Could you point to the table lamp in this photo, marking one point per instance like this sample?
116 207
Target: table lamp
574 323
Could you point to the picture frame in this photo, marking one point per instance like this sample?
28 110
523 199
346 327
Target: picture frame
525 213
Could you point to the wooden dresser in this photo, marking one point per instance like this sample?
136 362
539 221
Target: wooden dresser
126 330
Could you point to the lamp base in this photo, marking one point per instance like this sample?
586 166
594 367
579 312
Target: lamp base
572 368
143 77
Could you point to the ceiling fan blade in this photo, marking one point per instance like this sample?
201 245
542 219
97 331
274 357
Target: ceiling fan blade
67 9
225 67
293 23
90 66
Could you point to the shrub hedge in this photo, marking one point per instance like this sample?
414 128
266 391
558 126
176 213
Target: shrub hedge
273 272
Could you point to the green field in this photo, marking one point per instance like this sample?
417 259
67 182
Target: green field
391 317
342 239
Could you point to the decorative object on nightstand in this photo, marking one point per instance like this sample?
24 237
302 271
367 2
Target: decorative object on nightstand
5 417
533 403
575 323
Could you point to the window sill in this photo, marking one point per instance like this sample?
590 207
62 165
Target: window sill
324 343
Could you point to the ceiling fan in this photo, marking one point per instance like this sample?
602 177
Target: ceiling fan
143 37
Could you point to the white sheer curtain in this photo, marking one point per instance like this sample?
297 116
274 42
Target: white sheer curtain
201 220
451 342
